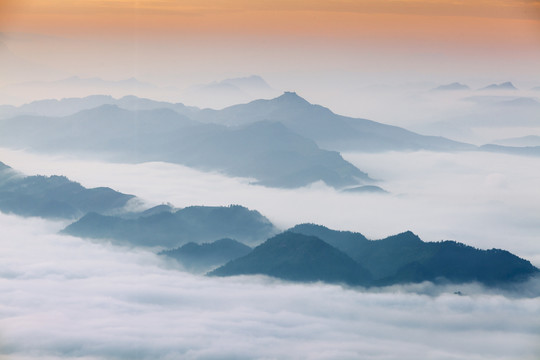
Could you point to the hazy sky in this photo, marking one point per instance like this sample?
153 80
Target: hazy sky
182 42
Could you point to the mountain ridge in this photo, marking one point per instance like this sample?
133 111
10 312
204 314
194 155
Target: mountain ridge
54 196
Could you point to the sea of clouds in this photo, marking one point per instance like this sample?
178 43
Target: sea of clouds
481 199
67 298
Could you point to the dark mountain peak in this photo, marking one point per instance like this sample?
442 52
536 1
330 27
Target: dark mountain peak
167 208
308 227
298 257
228 242
324 233
404 237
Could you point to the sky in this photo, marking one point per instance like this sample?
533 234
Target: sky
185 42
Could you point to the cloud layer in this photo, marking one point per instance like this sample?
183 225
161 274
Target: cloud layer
483 200
65 298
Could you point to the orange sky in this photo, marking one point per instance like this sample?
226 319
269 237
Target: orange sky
170 17
313 33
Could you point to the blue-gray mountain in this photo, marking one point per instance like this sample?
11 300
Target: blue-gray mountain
266 151
70 106
298 257
502 86
328 130
406 258
512 150
171 229
54 196
350 258
200 258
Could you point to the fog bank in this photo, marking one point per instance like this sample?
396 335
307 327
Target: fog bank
66 298
481 199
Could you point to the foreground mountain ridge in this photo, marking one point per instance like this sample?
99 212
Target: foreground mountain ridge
398 259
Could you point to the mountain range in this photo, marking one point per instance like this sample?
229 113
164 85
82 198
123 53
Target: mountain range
305 253
54 196
267 151
279 142
282 142
171 229
70 106
311 252
502 86
328 130
298 257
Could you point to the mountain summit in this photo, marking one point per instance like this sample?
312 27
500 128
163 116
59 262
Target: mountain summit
502 86
327 129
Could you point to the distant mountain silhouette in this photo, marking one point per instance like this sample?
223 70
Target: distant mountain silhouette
70 106
266 151
512 150
167 229
502 86
452 87
405 258
327 129
200 258
530 140
298 257
54 196
228 92
315 122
